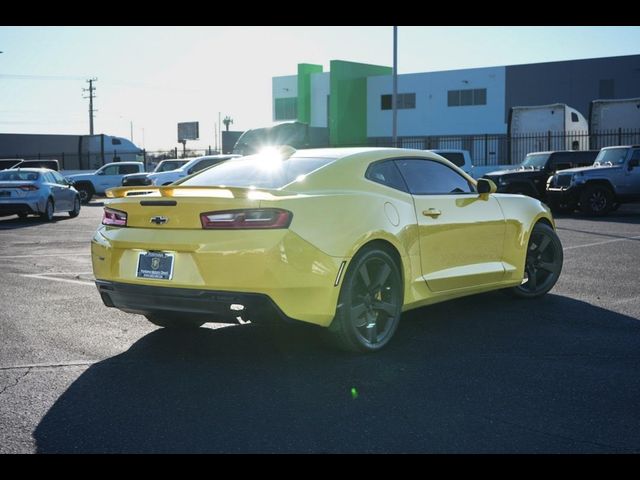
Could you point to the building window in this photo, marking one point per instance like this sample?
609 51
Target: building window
460 98
405 101
286 108
606 89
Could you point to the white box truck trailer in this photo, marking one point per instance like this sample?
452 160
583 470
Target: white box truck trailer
544 128
614 122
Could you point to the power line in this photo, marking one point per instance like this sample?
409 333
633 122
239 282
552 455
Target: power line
91 96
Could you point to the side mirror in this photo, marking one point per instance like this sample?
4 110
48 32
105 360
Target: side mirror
71 182
633 163
486 186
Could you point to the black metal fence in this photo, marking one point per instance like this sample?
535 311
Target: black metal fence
486 149
494 149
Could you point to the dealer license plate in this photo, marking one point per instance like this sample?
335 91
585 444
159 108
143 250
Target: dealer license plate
155 265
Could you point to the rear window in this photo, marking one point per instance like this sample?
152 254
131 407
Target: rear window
260 171
19 176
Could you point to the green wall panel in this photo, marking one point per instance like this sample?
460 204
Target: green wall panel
348 101
304 90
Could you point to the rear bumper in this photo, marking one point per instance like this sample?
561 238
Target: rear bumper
145 299
277 264
14 208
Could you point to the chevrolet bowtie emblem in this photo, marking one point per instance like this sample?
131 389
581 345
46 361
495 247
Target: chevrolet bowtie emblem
159 220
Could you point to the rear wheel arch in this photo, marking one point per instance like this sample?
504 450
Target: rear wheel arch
386 246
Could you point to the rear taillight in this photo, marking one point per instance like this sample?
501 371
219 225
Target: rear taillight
114 217
28 188
247 219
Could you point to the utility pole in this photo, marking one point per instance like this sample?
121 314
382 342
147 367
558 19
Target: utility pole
131 124
91 96
394 96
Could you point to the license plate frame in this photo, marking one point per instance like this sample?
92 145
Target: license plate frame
148 269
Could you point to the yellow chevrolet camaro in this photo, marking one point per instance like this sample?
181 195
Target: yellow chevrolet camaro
342 238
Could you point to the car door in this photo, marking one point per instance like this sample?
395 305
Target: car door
66 194
59 200
461 233
108 177
629 185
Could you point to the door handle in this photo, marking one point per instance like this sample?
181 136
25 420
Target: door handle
431 212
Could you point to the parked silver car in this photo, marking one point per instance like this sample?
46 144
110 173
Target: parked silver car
37 191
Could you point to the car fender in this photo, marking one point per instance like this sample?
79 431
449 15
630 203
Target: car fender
521 213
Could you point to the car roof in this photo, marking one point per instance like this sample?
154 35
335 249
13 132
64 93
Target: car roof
30 169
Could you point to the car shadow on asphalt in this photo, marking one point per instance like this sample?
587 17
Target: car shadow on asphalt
31 221
481 374
629 214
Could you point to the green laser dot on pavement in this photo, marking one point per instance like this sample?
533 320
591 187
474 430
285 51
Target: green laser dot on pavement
354 393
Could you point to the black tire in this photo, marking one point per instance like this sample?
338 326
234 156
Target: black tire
542 265
369 304
174 321
596 200
49 209
76 207
86 192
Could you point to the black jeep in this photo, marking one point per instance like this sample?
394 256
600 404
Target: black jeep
530 177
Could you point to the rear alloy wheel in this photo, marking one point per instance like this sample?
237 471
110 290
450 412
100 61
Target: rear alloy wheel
370 303
543 264
47 215
596 200
174 321
76 208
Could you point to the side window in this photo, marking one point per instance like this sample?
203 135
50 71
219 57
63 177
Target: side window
59 179
428 177
126 169
110 170
387 174
48 178
116 141
202 165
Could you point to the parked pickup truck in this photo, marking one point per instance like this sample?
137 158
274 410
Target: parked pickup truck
530 177
614 178
189 168
107 176
462 159
137 179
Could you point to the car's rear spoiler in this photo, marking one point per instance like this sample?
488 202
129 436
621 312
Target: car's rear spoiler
195 191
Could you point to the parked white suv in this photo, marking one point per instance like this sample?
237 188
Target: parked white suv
192 166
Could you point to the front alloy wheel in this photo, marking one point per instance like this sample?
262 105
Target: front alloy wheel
596 200
370 303
543 264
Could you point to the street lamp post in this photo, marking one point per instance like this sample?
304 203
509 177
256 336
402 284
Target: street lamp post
394 96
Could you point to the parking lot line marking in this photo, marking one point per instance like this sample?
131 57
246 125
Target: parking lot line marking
47 255
637 237
46 276
80 363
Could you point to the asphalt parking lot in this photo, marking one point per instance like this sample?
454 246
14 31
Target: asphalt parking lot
482 374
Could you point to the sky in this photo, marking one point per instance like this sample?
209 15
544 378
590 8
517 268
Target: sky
151 78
